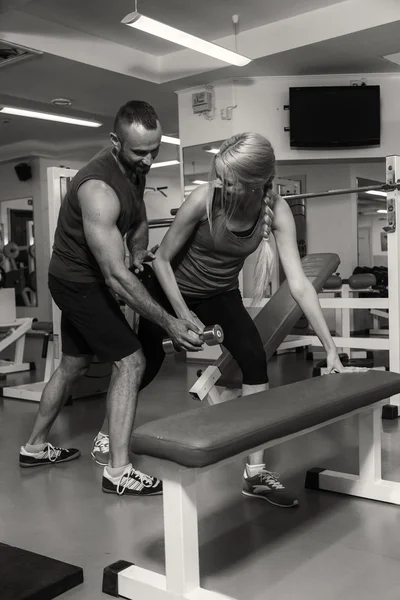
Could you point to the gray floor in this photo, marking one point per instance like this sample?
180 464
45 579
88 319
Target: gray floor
329 547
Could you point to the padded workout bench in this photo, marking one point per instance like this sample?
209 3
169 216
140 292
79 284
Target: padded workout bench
274 322
182 447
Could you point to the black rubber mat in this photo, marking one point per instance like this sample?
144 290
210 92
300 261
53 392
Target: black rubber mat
28 576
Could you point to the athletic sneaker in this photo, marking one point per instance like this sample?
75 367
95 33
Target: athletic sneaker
101 449
48 456
267 486
131 483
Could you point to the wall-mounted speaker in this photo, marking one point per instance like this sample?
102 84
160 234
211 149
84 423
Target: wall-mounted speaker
23 171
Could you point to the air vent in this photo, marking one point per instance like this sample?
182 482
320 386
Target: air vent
11 53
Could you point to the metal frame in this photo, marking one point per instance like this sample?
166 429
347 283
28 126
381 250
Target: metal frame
182 579
18 330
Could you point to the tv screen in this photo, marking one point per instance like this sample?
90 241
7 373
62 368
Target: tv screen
335 117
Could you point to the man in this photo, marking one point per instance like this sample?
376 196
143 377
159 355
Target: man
87 269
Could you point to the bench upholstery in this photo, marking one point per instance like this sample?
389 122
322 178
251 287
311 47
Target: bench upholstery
209 434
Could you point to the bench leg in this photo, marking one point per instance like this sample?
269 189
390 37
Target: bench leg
368 483
182 579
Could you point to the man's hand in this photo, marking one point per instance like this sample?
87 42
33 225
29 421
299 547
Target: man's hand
185 334
140 256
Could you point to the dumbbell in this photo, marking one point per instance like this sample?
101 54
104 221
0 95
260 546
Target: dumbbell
212 336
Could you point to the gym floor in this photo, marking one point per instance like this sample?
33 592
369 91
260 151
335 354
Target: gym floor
331 546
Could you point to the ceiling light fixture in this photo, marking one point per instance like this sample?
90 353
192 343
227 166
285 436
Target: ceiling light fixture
20 112
376 193
166 163
61 102
211 150
167 139
171 34
382 210
199 181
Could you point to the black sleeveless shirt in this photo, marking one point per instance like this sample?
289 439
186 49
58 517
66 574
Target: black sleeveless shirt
71 258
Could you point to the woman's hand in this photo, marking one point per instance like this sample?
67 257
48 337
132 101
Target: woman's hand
333 362
334 365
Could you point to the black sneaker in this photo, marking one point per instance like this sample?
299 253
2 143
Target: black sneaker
267 486
48 456
131 483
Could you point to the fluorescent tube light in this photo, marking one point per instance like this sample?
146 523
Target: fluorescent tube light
382 210
170 140
166 163
171 34
212 150
34 114
376 193
199 181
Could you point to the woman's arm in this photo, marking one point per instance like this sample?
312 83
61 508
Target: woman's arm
301 288
192 211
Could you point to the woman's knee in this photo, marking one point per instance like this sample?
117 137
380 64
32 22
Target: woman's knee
254 367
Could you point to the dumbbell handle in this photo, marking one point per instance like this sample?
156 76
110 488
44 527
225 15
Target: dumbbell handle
212 336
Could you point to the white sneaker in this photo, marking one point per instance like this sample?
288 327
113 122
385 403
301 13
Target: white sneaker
101 449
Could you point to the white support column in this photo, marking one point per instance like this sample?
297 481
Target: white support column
393 206
369 449
346 319
19 350
181 533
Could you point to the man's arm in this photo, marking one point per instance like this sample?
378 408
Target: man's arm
138 237
100 210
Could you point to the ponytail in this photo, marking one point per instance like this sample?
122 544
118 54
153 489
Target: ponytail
266 258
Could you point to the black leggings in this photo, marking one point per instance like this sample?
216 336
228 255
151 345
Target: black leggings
241 337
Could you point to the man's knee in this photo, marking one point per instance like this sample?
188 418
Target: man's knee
75 366
133 365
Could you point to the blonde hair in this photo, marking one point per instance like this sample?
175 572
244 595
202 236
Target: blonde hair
247 159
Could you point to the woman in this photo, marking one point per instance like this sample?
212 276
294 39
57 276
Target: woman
198 263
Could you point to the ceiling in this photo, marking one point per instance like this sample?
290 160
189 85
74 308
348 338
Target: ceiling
84 53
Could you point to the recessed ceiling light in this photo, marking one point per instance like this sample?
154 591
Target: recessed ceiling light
62 102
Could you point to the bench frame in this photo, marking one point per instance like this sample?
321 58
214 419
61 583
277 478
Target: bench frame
182 579
17 332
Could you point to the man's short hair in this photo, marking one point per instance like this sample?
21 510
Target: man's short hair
137 112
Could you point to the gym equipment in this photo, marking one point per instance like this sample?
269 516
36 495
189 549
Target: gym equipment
212 336
2 277
11 250
30 576
183 447
14 333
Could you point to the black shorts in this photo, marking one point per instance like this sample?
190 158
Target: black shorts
91 321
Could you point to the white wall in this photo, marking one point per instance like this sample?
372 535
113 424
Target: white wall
259 107
332 221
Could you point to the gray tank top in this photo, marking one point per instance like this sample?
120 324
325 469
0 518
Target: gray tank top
209 265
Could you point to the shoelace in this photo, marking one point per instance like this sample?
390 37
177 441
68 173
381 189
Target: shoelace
130 478
271 479
52 452
103 444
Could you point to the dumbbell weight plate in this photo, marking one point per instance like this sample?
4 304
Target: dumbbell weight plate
11 250
213 335
168 346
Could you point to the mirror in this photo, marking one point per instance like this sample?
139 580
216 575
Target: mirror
18 256
197 163
371 218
